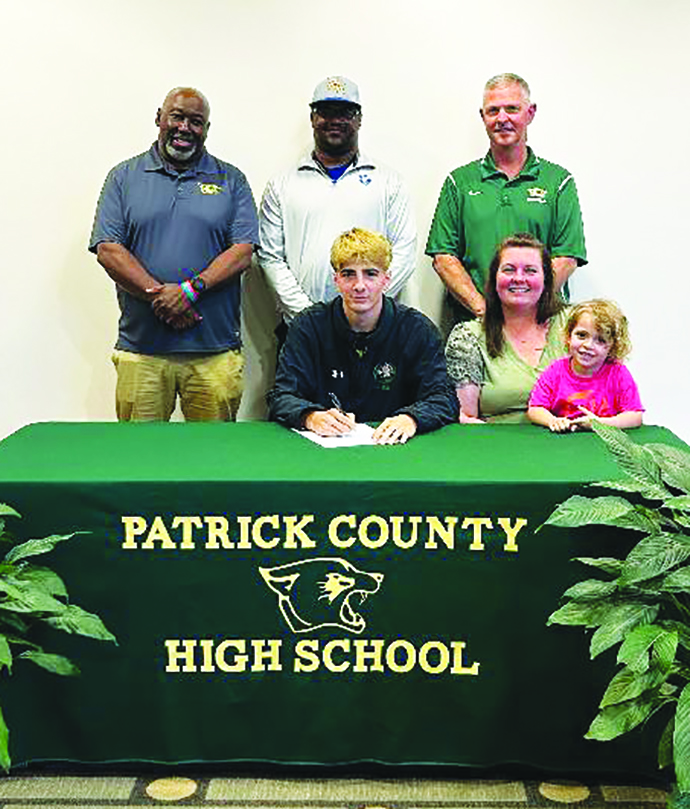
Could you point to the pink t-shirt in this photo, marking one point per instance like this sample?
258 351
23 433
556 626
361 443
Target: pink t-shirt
610 391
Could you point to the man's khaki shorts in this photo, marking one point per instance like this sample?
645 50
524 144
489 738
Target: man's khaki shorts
209 385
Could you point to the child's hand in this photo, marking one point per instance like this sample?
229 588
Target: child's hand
561 425
584 422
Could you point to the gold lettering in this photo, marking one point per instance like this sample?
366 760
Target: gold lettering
410 656
306 657
477 523
267 544
328 655
158 533
271 653
239 663
185 654
511 532
458 647
207 649
443 657
294 530
362 654
373 519
445 532
245 524
187 524
349 520
218 534
134 527
397 523
415 522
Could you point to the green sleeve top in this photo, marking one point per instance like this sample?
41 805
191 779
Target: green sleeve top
507 380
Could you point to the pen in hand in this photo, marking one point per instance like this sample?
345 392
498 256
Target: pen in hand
345 421
335 401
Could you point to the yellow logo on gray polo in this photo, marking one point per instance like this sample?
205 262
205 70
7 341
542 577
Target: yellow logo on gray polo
536 195
210 188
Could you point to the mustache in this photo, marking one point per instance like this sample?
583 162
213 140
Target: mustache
190 136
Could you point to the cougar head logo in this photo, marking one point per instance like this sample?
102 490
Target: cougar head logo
324 592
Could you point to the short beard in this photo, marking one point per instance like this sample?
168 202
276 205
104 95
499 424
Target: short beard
342 149
180 155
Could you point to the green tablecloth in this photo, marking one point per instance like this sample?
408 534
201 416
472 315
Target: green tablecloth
275 601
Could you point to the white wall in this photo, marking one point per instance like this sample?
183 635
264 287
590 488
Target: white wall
83 79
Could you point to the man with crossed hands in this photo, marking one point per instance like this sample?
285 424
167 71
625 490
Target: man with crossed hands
175 228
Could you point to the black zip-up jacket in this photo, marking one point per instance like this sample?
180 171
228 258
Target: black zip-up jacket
397 368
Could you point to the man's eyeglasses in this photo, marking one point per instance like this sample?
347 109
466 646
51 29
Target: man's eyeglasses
337 110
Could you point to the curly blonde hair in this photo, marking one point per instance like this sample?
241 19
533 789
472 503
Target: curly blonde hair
361 245
609 321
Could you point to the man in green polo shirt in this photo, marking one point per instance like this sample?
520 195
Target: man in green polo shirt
508 191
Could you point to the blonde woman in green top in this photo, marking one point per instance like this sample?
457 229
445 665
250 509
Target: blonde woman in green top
495 361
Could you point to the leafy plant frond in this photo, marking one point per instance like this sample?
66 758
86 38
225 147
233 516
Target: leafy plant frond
43 578
681 740
644 600
5 654
636 461
5 760
629 684
75 620
665 755
605 564
681 502
577 511
11 622
30 594
682 629
674 464
56 664
34 547
677 582
664 650
580 613
615 720
635 649
617 622
21 596
590 589
654 555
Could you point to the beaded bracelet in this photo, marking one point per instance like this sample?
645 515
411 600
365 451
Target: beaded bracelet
189 291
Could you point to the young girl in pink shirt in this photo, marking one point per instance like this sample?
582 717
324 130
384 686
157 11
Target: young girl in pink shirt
591 380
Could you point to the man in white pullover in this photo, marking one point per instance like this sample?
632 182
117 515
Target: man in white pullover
331 190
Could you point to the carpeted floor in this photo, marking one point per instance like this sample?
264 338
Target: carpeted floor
23 792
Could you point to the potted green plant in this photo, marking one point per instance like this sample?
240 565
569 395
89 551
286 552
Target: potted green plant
31 594
641 601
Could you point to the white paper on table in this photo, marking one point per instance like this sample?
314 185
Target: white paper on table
359 436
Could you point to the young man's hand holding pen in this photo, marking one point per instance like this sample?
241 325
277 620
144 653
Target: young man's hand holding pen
330 422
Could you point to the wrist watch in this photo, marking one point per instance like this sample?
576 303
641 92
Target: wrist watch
198 284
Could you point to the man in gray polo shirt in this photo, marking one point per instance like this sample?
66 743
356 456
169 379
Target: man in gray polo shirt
175 227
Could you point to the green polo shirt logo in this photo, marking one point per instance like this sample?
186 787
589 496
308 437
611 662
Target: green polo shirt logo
536 195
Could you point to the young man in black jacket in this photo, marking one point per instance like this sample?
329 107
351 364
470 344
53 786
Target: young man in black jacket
363 357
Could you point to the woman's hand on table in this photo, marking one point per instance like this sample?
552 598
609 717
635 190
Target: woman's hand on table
468 399
465 418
